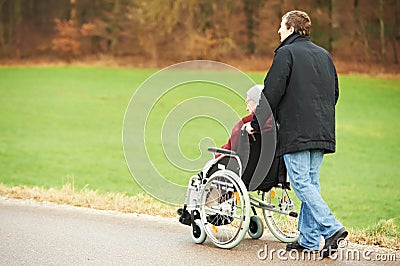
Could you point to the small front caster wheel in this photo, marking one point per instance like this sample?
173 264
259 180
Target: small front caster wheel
256 227
197 232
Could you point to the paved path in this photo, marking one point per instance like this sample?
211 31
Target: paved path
48 234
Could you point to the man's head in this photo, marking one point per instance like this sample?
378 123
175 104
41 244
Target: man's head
294 21
253 96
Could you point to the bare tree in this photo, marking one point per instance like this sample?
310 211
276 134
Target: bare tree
115 26
2 39
73 11
360 31
382 31
11 18
396 34
252 10
330 12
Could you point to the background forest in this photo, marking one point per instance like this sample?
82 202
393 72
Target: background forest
359 33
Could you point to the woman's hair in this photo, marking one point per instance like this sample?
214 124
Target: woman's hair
254 92
299 20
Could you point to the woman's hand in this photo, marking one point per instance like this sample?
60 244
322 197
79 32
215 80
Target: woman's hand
249 128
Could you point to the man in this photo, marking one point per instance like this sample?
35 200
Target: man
301 88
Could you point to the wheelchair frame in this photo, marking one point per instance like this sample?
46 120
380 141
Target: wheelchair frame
218 205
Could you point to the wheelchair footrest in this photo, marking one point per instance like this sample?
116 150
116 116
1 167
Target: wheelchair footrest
185 217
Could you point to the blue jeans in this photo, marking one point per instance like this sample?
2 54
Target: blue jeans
315 218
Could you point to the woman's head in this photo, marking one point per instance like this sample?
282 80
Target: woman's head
253 97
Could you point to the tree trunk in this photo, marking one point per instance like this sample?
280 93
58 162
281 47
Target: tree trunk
2 40
382 31
396 34
362 32
72 14
330 37
252 10
282 8
115 27
16 27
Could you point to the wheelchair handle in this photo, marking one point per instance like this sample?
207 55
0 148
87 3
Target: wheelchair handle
243 130
221 151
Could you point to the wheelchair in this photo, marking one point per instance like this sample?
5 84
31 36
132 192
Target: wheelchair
219 204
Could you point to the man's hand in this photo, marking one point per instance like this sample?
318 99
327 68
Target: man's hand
249 129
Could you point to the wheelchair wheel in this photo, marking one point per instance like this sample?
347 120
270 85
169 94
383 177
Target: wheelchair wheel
281 225
256 227
197 232
225 209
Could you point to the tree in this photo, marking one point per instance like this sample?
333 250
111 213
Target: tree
10 25
66 43
2 39
330 12
360 31
252 10
382 31
396 34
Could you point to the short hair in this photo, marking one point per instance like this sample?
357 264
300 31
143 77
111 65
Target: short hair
254 93
299 20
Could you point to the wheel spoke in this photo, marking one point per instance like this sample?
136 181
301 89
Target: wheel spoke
281 224
224 206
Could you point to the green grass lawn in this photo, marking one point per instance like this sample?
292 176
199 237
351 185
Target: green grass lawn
60 124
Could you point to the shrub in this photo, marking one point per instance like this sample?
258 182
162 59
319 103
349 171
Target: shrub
66 42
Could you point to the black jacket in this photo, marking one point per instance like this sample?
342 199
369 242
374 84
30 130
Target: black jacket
302 89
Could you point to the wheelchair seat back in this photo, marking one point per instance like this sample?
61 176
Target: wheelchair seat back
262 170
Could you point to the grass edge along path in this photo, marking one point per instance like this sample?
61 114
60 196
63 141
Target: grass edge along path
141 203
383 234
